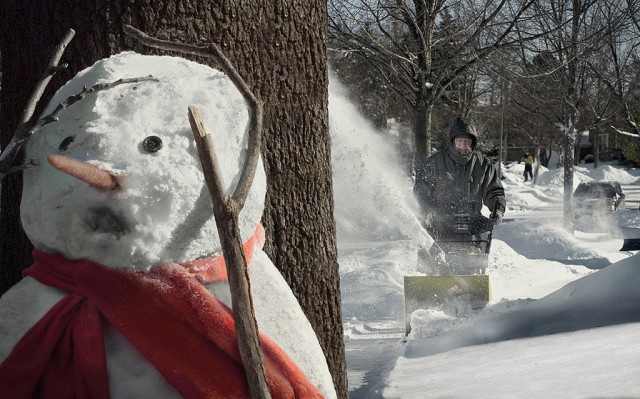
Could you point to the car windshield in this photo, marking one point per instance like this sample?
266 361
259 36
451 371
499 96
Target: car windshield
595 191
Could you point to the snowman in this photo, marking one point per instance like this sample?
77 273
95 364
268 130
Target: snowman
127 296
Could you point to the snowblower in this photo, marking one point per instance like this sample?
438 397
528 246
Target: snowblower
455 265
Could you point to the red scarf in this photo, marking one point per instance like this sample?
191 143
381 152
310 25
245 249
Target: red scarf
167 314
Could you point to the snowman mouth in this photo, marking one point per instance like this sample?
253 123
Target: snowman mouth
104 220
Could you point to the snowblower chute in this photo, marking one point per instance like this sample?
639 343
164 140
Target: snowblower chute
455 266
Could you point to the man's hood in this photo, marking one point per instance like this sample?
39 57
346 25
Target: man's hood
460 126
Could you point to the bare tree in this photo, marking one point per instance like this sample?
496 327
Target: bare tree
279 49
526 85
559 83
615 67
424 48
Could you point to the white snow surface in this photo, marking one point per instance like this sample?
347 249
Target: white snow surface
564 319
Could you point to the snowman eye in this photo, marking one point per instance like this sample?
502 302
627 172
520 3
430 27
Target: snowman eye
152 143
66 143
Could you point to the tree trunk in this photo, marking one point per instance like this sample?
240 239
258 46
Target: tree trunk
576 149
422 127
569 150
280 50
596 148
505 145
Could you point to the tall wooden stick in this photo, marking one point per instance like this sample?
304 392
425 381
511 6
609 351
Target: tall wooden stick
225 211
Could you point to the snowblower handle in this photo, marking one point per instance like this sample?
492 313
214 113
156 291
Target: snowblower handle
471 224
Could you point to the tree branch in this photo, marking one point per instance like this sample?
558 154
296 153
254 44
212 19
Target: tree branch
24 130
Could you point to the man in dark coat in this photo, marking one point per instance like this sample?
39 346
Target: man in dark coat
457 180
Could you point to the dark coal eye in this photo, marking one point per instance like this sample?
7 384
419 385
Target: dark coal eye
152 143
66 143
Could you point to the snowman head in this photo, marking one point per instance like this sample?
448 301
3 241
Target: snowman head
158 209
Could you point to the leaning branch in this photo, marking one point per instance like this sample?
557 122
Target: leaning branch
51 70
29 124
26 130
624 132
53 116
23 131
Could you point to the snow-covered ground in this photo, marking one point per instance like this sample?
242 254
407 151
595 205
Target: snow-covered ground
564 319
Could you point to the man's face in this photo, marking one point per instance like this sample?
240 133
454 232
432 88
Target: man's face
463 145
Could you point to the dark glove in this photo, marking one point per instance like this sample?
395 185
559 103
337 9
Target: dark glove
496 217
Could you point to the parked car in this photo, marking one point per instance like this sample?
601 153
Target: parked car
598 197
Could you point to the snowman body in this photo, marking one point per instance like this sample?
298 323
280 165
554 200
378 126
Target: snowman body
160 211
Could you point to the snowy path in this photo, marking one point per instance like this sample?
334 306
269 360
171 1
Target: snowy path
371 352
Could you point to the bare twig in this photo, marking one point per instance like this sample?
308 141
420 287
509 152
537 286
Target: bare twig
51 70
19 168
53 116
28 122
10 152
226 215
26 130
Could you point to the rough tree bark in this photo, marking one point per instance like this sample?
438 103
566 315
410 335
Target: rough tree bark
279 48
422 127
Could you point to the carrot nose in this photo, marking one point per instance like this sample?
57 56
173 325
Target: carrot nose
91 174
